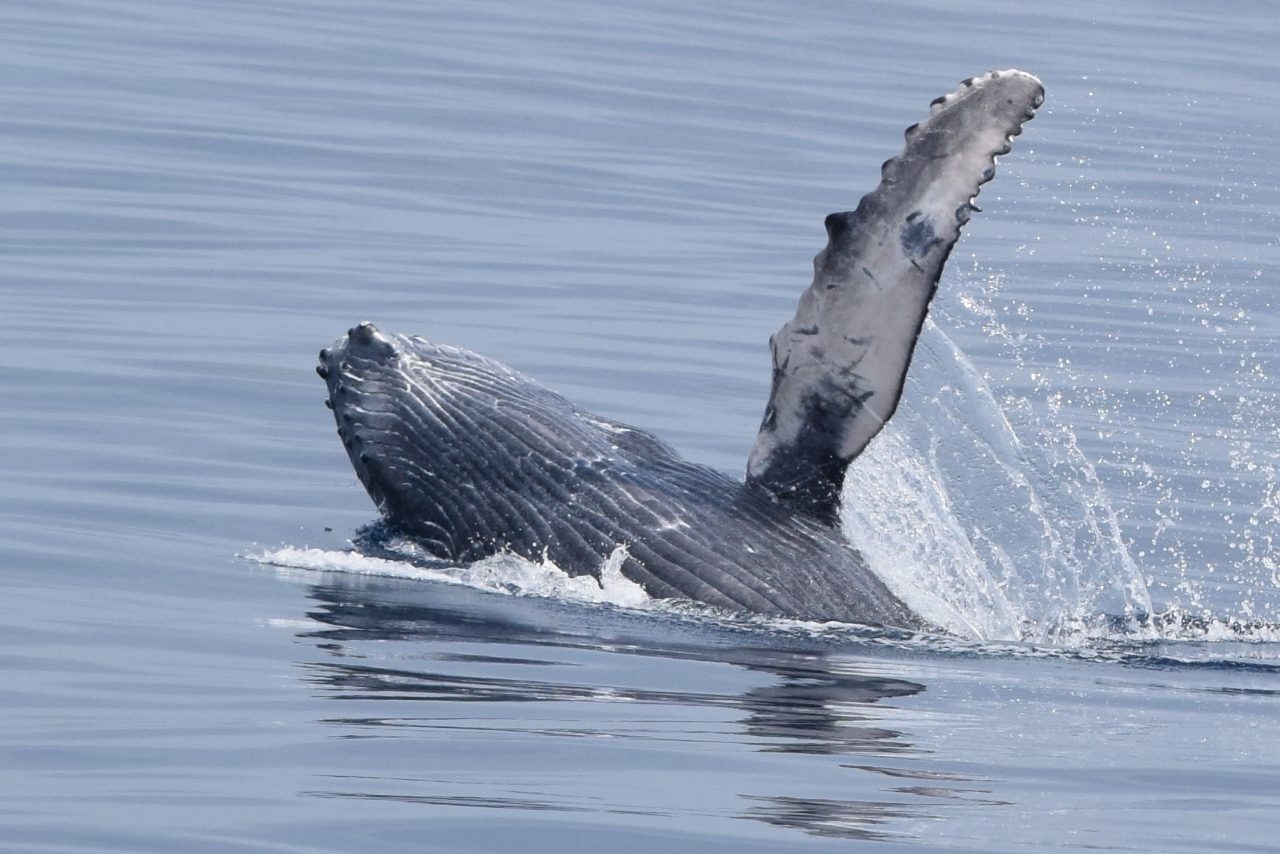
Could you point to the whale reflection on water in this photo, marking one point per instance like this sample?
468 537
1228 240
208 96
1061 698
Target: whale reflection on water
595 685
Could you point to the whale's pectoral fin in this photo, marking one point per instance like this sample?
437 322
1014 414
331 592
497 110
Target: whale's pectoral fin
839 364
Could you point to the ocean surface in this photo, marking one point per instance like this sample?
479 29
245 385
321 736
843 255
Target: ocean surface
1082 487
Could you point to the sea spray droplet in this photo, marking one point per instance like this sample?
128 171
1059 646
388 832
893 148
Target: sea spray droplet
985 519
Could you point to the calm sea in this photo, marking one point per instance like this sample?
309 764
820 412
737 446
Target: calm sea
622 201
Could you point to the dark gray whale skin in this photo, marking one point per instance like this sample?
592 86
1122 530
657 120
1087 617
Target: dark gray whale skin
471 459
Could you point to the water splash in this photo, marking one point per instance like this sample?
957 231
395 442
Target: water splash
991 528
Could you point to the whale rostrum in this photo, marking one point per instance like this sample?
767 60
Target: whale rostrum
470 458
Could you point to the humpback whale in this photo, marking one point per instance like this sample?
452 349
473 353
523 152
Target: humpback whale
468 458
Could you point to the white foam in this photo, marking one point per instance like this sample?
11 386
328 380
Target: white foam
503 573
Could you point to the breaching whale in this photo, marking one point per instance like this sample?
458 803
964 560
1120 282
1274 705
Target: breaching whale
469 458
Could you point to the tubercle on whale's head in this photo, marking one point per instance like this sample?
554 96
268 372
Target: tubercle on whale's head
355 369
349 357
364 341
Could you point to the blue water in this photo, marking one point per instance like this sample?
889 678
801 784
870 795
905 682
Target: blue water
622 201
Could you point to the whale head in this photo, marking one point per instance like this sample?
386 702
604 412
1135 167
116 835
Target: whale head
434 432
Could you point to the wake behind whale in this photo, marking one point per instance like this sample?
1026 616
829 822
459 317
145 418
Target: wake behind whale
470 459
